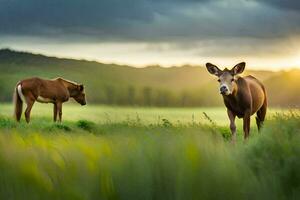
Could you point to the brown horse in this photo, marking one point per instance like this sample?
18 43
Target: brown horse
56 91
243 96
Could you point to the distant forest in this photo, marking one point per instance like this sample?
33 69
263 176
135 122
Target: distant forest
185 86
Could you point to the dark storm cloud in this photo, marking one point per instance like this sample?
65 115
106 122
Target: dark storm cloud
93 17
283 4
148 20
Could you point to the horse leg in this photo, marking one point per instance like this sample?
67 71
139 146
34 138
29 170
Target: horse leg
260 116
59 110
29 103
55 112
232 116
246 123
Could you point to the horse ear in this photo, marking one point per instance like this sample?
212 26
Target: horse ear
213 69
81 87
239 68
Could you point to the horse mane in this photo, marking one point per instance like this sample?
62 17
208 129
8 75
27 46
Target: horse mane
67 81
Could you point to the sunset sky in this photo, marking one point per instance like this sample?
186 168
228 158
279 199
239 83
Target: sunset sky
265 33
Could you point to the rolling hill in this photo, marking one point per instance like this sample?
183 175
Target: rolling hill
149 86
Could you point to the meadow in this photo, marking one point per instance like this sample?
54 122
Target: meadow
110 84
103 152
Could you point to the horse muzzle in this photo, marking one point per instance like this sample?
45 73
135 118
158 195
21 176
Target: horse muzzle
224 90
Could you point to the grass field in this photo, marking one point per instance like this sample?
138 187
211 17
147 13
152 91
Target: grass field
146 115
102 152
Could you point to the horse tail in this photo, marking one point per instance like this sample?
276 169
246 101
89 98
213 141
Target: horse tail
18 95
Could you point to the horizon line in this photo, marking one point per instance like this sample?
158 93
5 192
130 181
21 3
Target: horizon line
49 55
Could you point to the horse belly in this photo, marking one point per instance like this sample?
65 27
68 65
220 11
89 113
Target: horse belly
44 100
258 98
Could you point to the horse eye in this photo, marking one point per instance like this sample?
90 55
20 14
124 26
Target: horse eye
219 80
232 80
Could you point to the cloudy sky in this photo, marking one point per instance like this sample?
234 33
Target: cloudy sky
264 33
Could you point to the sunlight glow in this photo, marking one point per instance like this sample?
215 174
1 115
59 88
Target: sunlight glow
165 54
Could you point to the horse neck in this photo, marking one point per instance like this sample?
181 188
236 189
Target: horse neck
68 85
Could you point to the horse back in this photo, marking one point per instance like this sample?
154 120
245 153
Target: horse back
51 89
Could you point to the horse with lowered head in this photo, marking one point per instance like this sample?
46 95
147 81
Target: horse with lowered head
243 96
56 91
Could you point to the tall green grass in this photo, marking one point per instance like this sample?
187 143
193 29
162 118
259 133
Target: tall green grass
130 160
